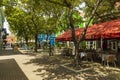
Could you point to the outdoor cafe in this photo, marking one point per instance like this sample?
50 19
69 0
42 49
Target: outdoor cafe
102 42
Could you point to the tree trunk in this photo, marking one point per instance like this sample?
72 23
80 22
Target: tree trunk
76 41
36 42
50 50
77 59
26 40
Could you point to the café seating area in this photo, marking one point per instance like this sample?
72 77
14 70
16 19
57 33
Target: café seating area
106 58
67 52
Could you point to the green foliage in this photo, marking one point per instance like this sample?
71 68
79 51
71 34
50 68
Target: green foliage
105 12
1 1
42 16
78 19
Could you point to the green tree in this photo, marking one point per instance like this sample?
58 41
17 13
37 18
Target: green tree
70 5
17 23
25 21
107 10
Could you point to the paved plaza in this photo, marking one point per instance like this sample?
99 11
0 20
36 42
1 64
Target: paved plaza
22 60
41 66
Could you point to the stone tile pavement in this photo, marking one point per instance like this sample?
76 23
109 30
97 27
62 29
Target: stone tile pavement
39 66
21 59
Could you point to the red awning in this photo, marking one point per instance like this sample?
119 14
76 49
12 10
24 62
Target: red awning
106 30
67 36
112 29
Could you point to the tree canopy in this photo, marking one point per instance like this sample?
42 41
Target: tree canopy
107 10
32 17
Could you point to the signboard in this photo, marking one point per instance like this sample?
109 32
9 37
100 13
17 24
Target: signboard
42 37
52 40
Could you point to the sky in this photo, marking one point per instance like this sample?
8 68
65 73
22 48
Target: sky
6 25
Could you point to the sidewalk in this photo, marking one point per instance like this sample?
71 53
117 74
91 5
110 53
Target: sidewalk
41 66
22 60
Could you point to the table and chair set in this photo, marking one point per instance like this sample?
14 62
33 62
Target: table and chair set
104 57
108 58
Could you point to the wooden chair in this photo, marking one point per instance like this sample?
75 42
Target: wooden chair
98 50
111 59
70 52
96 57
89 56
118 58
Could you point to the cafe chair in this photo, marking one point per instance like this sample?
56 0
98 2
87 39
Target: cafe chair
89 56
111 59
118 59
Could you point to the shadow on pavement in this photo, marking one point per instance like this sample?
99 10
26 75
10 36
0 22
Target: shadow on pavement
52 69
